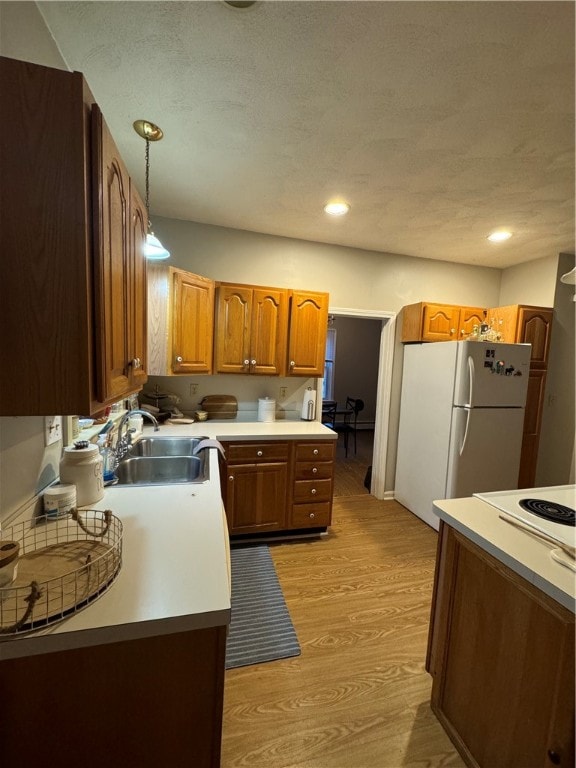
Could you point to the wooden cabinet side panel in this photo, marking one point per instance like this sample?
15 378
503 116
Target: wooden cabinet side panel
45 231
119 703
269 331
307 333
192 314
412 316
233 327
500 665
158 279
138 282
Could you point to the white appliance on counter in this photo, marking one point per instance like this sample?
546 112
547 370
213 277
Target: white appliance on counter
461 421
551 509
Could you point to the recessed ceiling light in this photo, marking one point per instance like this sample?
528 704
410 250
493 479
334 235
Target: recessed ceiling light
337 209
499 236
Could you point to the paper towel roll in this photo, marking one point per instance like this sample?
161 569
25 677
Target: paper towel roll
266 409
309 405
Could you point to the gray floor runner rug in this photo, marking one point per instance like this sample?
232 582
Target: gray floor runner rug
261 628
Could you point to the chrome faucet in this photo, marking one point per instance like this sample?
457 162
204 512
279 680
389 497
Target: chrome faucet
123 442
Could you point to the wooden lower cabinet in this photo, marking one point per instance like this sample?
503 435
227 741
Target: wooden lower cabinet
145 703
277 486
501 654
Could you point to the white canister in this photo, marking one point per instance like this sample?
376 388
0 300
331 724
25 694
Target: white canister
266 409
59 499
82 466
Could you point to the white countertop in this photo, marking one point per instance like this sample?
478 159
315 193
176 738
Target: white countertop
174 575
526 555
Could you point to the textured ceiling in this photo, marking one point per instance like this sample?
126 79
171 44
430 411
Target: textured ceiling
437 121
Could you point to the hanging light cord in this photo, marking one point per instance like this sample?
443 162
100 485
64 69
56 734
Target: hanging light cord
148 183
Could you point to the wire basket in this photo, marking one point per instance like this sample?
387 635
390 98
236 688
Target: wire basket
65 564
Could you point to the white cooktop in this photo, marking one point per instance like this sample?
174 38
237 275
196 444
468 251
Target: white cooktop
508 502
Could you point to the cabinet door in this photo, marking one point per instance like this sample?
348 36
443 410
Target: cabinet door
534 327
440 323
269 331
138 313
233 325
112 264
307 333
192 308
469 317
532 423
256 497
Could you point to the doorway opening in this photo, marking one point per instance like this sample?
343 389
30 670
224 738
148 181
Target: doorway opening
378 384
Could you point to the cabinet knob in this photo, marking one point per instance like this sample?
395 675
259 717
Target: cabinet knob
246 362
134 363
312 515
452 331
554 757
315 451
292 363
231 477
314 470
178 359
252 362
313 491
259 453
462 332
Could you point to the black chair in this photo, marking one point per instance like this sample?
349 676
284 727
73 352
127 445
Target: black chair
329 413
354 405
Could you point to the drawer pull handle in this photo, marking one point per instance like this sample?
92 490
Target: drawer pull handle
313 491
258 453
315 451
312 515
314 470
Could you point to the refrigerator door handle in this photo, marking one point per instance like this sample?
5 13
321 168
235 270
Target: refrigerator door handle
471 374
463 443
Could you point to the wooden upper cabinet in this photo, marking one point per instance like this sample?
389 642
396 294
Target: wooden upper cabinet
470 317
307 333
180 321
439 322
119 271
522 323
46 302
251 329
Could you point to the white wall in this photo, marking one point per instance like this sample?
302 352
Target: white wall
531 283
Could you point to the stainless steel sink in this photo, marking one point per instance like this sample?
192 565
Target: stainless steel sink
164 446
162 470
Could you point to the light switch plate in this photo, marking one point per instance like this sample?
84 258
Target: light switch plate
52 429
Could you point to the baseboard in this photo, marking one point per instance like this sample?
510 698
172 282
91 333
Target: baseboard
388 496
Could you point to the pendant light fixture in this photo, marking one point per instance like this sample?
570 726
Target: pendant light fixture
153 249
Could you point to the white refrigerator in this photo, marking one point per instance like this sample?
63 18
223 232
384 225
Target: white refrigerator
461 421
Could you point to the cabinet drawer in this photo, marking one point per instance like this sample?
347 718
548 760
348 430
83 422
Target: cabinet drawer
274 451
311 515
315 451
312 490
313 470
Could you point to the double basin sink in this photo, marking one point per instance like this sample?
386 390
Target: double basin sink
163 461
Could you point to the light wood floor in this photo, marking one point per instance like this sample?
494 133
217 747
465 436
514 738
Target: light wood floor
350 471
358 696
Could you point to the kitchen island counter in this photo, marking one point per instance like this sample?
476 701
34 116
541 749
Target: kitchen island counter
523 553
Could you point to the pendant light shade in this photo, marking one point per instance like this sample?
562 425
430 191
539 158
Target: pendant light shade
153 248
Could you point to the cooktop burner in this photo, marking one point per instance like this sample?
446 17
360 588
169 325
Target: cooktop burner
549 510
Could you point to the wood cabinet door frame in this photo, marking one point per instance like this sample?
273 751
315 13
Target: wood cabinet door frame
191 323
256 497
233 328
307 333
138 302
269 331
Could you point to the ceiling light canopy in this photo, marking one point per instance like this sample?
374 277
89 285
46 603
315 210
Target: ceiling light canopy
337 208
153 248
499 236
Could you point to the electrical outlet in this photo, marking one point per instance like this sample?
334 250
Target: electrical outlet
193 389
283 391
52 429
